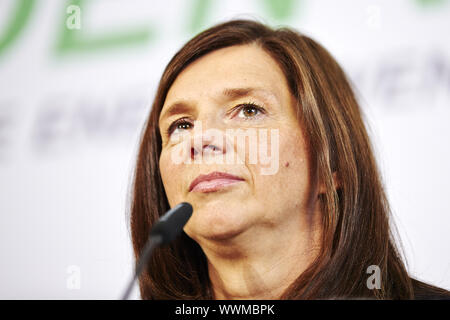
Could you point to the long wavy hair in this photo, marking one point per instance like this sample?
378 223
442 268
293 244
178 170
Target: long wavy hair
357 231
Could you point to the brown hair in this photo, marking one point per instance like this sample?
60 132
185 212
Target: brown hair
356 228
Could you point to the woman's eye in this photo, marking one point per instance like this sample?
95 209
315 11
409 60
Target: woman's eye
180 124
245 111
249 110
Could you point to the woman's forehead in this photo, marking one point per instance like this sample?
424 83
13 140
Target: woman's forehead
229 72
235 66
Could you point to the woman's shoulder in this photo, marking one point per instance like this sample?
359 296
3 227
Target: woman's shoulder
425 291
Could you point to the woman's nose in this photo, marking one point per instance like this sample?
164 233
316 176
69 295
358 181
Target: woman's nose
209 142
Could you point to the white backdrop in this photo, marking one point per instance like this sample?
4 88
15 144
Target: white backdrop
73 102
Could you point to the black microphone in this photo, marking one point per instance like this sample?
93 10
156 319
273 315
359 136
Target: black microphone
162 233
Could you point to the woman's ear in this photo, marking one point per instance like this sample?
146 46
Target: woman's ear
336 183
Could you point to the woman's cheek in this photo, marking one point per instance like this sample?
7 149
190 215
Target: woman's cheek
166 170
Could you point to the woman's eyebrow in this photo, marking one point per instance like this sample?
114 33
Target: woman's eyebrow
176 108
231 94
234 93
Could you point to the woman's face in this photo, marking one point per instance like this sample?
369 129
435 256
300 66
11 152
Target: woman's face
238 87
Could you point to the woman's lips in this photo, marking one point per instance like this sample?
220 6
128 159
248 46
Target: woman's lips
213 182
213 185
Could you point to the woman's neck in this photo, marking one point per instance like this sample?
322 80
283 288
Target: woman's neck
255 266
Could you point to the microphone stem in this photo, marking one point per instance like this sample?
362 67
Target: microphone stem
151 244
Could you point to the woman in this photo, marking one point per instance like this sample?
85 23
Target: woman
311 221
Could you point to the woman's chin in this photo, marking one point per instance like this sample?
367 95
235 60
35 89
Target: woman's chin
220 235
216 226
